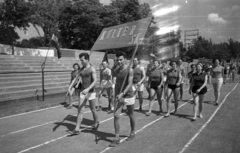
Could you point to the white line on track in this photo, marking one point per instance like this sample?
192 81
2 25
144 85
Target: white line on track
53 140
202 128
28 128
32 127
47 142
39 110
122 140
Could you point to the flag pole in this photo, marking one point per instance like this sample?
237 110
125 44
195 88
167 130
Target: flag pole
42 67
129 67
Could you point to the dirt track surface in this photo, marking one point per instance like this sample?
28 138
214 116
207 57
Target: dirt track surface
46 130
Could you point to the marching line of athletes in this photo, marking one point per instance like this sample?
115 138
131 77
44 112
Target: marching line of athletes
160 80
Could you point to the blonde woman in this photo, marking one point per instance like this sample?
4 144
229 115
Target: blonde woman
217 79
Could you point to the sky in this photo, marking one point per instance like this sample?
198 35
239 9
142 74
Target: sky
215 19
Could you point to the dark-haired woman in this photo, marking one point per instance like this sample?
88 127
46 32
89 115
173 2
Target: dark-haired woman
193 70
217 79
174 79
198 89
73 86
155 84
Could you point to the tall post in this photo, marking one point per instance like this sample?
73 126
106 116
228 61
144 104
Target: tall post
42 67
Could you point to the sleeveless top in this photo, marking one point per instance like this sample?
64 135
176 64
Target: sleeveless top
87 78
114 70
105 74
120 75
181 69
217 72
74 73
155 76
173 76
149 68
199 79
137 75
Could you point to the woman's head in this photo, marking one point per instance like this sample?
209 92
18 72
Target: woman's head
173 64
199 67
76 66
105 64
193 66
156 62
216 61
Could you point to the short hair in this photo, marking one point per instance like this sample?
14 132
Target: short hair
200 64
85 55
193 65
121 54
171 62
77 65
159 62
216 59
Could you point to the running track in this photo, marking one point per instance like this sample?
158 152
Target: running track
45 131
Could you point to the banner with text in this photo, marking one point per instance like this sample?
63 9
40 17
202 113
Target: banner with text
124 35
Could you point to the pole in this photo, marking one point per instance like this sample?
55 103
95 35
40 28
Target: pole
42 67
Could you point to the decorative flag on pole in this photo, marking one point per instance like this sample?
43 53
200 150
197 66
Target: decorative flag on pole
54 43
105 58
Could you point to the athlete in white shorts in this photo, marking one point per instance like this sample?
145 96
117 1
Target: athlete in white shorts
139 76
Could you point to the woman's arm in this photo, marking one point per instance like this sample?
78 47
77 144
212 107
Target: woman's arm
205 83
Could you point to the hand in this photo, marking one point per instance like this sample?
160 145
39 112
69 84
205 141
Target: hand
178 84
85 91
159 86
190 91
198 91
139 83
120 96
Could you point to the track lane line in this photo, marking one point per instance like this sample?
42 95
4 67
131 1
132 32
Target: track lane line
122 140
208 121
53 140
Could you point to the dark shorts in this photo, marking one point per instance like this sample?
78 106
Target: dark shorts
172 86
154 87
203 91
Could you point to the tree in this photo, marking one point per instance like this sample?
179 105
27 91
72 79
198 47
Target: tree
13 14
46 15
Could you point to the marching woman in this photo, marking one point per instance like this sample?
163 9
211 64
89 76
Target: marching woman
105 84
198 89
174 79
193 70
217 79
73 86
155 84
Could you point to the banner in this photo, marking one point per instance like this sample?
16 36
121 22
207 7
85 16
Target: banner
124 35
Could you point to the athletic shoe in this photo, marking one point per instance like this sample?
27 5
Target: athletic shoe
130 137
75 132
96 126
114 143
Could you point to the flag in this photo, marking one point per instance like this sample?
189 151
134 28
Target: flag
105 58
54 43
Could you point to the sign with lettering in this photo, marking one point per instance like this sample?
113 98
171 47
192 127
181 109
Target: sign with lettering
124 35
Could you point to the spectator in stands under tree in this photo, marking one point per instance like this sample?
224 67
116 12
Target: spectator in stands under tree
74 85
